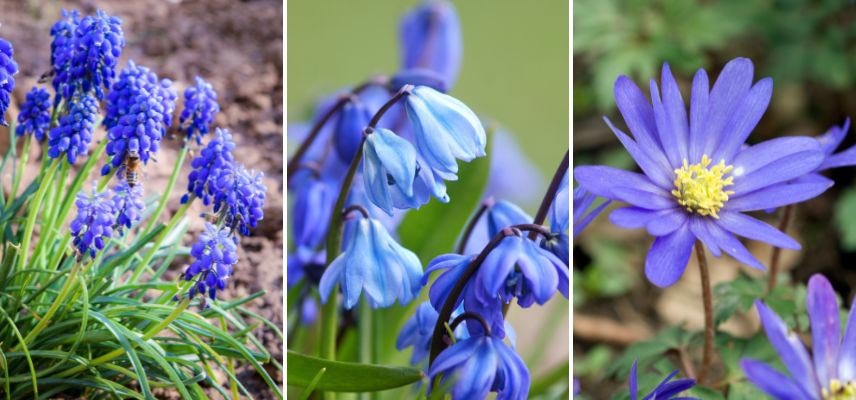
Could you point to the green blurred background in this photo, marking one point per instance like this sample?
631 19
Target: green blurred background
514 69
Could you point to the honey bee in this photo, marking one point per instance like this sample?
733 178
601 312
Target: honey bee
132 168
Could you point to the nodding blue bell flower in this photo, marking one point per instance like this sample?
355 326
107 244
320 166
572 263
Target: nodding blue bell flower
35 115
417 332
214 255
314 200
559 214
418 77
139 111
200 107
208 166
430 38
353 118
517 267
481 364
502 214
390 171
98 43
445 129
8 68
372 262
74 132
665 390
128 203
93 225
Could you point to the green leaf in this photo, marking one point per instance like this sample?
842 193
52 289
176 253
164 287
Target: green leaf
347 377
432 229
845 216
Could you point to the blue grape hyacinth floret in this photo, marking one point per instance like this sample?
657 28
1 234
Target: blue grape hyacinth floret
74 132
215 254
139 111
830 372
699 179
200 107
128 203
8 68
208 166
240 195
93 225
481 364
98 43
35 116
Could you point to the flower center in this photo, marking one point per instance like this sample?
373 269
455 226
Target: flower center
700 188
840 390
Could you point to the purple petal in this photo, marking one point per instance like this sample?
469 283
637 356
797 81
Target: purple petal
751 228
727 242
699 227
667 259
791 350
666 221
745 119
638 115
822 307
780 195
644 199
600 180
633 217
699 110
727 95
781 170
655 165
847 353
772 382
759 155
846 158
676 116
633 387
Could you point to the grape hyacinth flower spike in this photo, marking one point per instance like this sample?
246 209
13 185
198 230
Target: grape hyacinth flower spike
35 115
240 197
62 46
830 372
481 364
93 224
128 204
445 129
98 43
8 68
665 390
74 133
698 177
430 38
215 255
200 107
208 166
372 262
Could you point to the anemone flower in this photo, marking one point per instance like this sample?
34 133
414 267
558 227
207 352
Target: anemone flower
830 373
698 176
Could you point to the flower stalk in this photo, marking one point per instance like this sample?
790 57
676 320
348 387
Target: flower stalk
776 255
707 299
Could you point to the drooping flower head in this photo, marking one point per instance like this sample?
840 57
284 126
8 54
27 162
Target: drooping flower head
212 160
502 214
430 38
372 262
830 372
93 225
417 332
665 390
35 115
128 204
445 130
139 111
74 132
8 68
353 118
200 107
215 254
699 179
314 200
240 195
97 44
481 364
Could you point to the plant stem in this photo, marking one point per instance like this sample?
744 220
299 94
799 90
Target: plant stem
25 156
471 225
32 213
58 301
169 186
707 298
156 245
550 195
365 334
772 278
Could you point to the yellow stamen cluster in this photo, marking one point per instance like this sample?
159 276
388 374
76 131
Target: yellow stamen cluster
840 390
700 188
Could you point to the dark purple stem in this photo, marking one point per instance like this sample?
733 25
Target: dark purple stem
355 207
404 91
551 192
470 315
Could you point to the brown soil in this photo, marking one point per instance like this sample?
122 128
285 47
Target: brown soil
237 46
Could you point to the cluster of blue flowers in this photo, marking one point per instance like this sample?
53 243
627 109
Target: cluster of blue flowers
8 68
200 107
85 52
138 113
74 132
35 115
93 225
215 255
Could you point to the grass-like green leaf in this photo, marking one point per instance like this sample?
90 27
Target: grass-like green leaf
347 377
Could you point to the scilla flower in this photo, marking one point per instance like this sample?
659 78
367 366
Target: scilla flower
445 130
417 332
128 204
502 214
665 390
699 179
830 373
389 170
314 199
481 364
93 224
430 38
353 118
74 133
372 262
208 166
35 115
214 255
240 194
98 43
200 107
139 111
8 68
